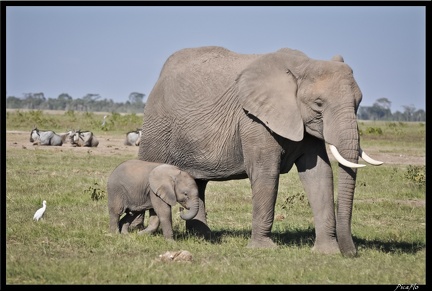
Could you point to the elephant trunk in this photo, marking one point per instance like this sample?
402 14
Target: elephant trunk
193 206
346 188
347 144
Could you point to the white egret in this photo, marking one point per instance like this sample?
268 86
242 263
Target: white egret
104 121
40 212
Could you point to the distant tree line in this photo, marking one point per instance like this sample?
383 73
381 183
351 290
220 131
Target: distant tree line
89 103
380 110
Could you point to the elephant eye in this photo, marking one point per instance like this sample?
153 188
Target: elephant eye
317 105
319 102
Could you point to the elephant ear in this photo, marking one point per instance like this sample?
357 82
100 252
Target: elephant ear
161 180
267 89
337 58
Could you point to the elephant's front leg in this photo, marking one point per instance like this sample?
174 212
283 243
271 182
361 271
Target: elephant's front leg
165 220
264 193
262 158
316 176
198 224
264 183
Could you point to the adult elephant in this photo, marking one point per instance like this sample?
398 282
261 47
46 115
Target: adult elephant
221 115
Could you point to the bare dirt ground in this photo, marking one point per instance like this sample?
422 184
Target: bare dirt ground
401 158
113 144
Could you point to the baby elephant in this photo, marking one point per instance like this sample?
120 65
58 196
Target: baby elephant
136 186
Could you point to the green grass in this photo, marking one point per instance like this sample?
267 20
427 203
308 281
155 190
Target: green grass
408 136
72 243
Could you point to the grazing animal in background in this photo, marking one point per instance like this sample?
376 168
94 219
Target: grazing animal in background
40 212
80 138
45 137
133 137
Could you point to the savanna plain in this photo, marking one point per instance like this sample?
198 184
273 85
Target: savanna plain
72 244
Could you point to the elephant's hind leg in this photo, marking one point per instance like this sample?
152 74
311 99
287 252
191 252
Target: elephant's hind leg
138 221
114 223
125 222
153 223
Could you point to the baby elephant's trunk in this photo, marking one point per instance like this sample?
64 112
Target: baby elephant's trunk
193 209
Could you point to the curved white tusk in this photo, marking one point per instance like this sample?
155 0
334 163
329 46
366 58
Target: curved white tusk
369 159
341 160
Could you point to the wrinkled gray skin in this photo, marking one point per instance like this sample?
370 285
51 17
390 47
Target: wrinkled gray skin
45 137
79 138
136 186
133 137
220 115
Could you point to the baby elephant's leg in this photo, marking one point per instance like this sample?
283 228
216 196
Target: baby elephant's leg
138 221
153 223
125 222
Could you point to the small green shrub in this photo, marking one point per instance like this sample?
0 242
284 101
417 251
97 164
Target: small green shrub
416 175
374 130
95 192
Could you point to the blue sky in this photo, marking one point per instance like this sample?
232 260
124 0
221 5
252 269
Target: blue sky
116 50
